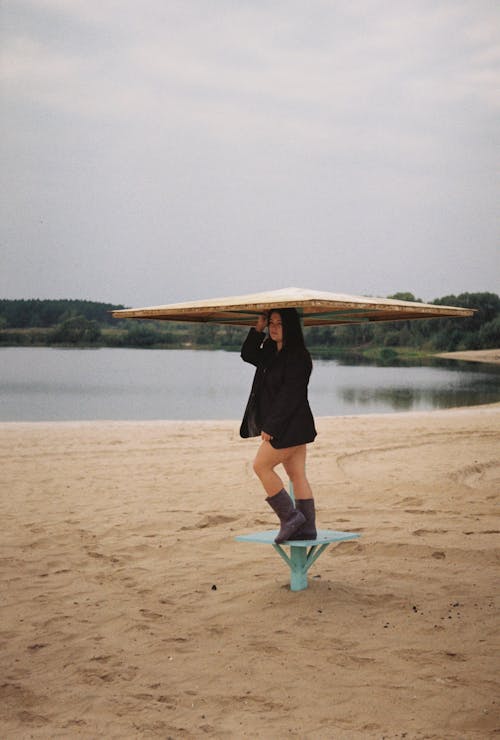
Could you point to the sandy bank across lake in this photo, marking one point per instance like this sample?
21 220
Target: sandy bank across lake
129 611
476 355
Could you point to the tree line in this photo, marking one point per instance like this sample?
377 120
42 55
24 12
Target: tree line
479 331
37 313
89 323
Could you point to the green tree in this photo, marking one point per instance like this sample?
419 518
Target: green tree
489 334
142 335
404 297
77 330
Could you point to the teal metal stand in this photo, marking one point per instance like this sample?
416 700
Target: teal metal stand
303 553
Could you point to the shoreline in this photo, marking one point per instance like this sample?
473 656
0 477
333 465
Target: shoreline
211 423
480 355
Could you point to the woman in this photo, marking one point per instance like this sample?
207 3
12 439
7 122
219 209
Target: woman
278 411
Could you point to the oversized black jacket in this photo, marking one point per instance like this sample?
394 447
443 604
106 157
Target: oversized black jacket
278 401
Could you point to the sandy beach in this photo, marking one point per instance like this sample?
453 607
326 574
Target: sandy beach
129 611
491 356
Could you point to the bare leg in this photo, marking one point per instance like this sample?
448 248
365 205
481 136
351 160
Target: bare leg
266 460
294 462
295 466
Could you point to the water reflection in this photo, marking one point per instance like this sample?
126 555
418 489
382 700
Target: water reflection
412 399
435 384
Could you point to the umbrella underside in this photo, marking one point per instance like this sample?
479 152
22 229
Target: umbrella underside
315 308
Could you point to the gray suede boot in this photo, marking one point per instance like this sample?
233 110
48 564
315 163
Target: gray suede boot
290 518
308 530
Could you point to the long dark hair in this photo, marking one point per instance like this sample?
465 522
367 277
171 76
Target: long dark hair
293 338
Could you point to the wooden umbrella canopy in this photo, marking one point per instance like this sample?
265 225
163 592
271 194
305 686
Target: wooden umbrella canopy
317 308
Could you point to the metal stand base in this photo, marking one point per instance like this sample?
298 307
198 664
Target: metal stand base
303 553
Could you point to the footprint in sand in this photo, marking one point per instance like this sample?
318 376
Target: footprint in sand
210 520
411 501
30 718
150 615
423 532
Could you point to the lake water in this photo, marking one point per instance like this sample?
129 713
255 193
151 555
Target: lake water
44 384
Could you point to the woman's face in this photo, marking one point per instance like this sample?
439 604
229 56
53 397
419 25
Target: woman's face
275 328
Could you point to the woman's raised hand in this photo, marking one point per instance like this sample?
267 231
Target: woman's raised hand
261 323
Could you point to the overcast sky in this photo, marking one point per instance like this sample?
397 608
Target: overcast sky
169 150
